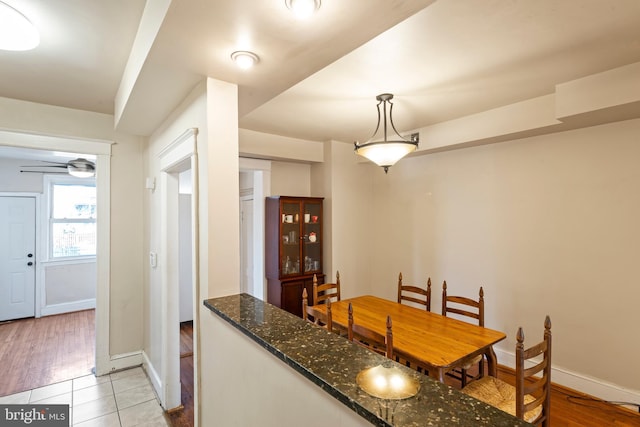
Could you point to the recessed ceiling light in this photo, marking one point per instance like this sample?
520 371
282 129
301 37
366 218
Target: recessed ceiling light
303 8
16 31
244 59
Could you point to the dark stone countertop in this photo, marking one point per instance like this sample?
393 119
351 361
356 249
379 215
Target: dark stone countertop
332 363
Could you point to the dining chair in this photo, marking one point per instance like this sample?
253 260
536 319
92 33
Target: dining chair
530 399
322 293
472 310
310 314
414 294
370 339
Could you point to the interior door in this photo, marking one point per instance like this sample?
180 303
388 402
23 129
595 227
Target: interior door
246 245
17 257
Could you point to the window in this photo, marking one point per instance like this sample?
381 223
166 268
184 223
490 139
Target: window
72 218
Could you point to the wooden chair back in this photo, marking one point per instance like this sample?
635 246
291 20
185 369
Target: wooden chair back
310 314
463 306
414 294
474 311
530 399
326 291
539 386
369 338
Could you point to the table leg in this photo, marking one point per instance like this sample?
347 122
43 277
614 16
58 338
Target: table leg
492 362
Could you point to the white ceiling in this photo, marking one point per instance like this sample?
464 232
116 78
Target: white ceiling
318 79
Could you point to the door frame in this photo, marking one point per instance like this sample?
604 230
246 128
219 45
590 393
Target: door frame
175 158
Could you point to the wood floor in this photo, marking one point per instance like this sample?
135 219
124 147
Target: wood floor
184 416
570 408
38 352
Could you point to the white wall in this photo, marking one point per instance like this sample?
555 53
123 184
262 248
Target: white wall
69 283
12 180
256 388
548 225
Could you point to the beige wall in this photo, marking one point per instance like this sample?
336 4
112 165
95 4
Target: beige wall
127 259
348 227
190 114
548 225
290 179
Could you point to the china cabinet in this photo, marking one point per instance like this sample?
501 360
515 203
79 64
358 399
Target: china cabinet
293 249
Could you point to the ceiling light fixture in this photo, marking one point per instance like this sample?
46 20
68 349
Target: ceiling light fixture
244 59
16 31
303 9
81 168
386 153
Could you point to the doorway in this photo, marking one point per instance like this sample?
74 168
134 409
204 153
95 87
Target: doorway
255 185
27 147
246 244
178 177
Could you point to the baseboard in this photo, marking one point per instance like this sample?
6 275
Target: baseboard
153 375
68 307
579 382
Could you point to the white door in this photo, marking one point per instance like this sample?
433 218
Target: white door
246 245
17 257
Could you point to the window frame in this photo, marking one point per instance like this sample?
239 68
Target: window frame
49 182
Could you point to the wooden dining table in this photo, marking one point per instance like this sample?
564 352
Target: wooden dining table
435 342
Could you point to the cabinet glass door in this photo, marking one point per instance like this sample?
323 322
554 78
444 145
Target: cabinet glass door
311 233
291 238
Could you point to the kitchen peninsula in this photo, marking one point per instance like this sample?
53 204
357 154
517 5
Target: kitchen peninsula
275 369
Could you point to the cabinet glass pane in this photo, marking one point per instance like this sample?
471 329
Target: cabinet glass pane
312 253
291 238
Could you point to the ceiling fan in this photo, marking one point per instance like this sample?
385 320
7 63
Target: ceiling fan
80 167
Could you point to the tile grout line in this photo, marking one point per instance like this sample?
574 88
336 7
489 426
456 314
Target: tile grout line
115 400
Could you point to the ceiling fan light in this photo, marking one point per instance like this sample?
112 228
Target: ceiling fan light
81 168
16 31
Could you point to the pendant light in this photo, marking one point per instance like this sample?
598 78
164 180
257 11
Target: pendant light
384 152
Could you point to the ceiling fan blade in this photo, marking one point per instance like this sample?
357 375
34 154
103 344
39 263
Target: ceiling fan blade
50 172
81 162
62 165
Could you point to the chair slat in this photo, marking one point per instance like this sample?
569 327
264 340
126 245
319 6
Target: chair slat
466 307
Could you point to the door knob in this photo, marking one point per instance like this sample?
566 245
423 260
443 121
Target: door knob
30 255
29 263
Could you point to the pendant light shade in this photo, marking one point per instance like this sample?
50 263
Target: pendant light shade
384 152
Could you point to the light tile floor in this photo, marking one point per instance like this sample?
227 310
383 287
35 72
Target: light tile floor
121 399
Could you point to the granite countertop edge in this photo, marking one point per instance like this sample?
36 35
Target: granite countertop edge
332 363
326 386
